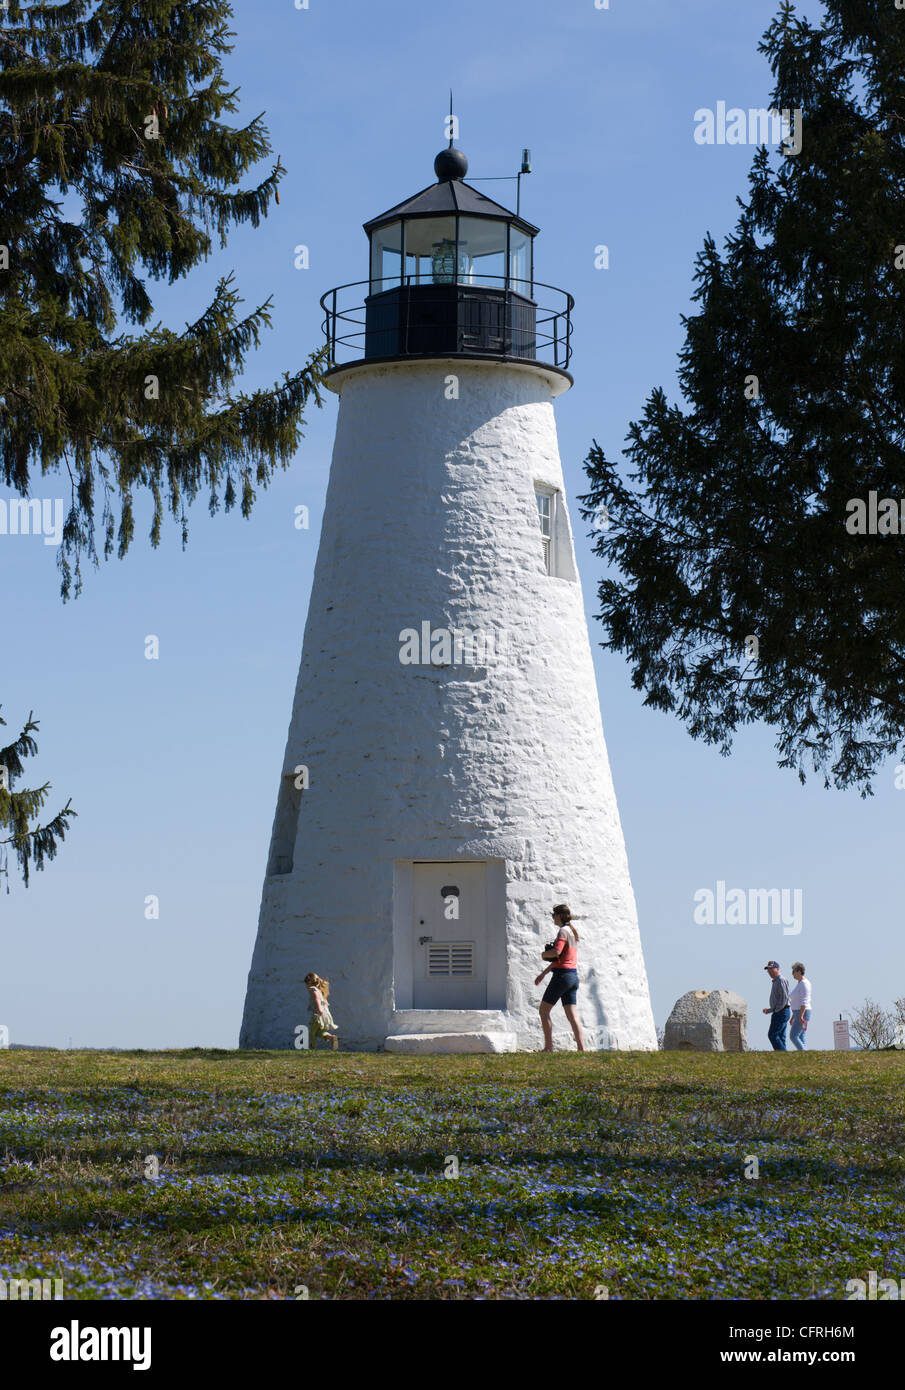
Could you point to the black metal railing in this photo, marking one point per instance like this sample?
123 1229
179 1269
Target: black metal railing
409 317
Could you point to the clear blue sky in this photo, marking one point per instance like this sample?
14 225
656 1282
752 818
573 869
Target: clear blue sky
173 764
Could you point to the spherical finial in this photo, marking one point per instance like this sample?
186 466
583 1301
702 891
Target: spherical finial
450 164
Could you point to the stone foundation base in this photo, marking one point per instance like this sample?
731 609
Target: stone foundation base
451 1042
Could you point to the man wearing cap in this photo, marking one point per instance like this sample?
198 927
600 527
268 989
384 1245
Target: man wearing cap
779 1007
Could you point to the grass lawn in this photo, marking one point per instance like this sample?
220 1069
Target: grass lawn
607 1174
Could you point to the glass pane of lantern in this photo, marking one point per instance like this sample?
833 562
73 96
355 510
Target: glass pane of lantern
482 252
386 257
520 262
430 251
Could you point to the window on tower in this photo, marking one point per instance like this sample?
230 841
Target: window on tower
285 826
546 503
555 532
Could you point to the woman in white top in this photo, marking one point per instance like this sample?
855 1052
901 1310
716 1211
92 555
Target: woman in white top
800 1000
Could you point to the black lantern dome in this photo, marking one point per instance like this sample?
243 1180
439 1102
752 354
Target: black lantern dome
450 164
451 274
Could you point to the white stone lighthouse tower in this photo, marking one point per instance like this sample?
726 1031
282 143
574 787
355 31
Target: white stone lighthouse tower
446 781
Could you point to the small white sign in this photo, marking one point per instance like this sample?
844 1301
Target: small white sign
841 1040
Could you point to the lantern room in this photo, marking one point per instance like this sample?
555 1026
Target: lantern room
451 272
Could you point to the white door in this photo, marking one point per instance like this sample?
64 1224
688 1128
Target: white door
450 936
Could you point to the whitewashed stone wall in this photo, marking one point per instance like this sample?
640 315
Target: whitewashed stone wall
431 516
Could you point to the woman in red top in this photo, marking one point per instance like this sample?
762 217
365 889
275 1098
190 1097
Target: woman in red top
564 978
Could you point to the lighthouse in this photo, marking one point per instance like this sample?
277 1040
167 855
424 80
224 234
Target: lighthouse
446 780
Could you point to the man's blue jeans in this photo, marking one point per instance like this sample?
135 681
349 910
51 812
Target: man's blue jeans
777 1033
796 1033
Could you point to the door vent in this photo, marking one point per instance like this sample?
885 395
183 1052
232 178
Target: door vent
450 958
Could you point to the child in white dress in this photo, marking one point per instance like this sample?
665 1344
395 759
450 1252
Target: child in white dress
320 1019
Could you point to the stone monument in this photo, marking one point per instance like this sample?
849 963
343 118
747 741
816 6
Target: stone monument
707 1020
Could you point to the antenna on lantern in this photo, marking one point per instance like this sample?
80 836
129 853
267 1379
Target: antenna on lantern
508 178
525 169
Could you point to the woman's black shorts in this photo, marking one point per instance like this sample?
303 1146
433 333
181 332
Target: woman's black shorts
563 985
